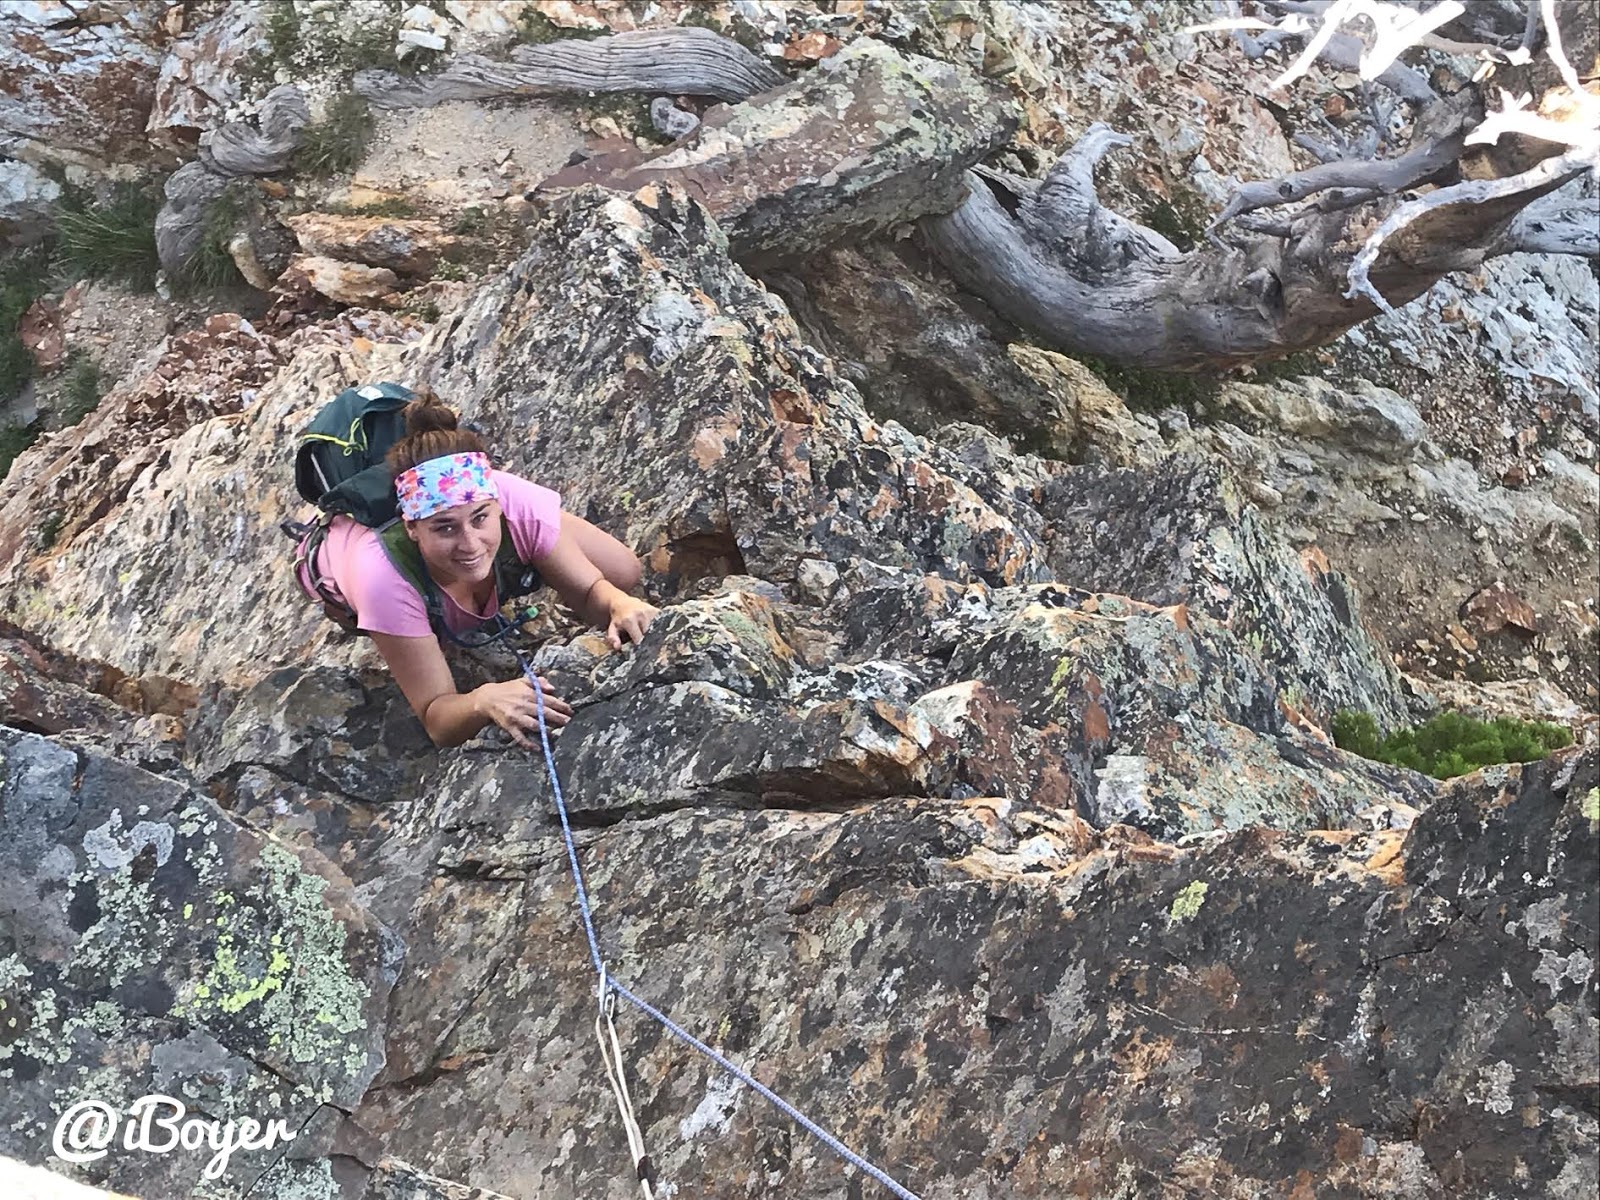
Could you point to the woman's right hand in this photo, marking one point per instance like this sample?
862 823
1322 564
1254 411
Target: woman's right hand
513 706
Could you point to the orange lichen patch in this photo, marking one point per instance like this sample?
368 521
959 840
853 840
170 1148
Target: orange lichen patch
1347 1147
789 406
1314 561
894 716
1139 1059
1065 826
1388 864
1218 982
1334 837
1096 725
711 443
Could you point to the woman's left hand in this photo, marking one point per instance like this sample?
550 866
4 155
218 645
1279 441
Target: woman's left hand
630 617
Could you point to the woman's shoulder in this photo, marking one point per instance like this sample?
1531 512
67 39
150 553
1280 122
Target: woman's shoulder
533 512
520 494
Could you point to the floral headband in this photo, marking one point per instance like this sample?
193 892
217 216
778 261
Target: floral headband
443 482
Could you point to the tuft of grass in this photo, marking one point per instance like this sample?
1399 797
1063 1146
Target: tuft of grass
471 222
389 206
116 238
1182 219
282 29
536 29
704 18
211 266
336 143
1146 389
50 528
81 395
1451 743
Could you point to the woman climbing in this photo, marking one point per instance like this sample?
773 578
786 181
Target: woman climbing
456 511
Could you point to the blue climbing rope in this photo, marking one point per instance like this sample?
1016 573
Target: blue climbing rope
608 983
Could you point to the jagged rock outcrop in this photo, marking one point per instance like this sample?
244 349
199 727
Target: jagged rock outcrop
869 139
889 801
985 1000
77 82
154 945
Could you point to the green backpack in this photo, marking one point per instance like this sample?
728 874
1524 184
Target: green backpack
339 467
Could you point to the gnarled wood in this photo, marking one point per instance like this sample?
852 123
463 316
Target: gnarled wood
1342 241
243 148
687 61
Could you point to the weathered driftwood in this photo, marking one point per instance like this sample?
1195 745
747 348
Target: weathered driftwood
688 61
1311 254
243 148
190 192
1207 307
235 149
875 139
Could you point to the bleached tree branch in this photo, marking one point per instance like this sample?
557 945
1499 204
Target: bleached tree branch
1469 191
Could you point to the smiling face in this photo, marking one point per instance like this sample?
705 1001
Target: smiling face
458 544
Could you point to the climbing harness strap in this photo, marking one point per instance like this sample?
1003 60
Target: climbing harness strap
610 989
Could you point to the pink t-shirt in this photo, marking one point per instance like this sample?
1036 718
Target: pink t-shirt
352 559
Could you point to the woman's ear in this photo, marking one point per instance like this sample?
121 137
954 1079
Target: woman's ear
411 529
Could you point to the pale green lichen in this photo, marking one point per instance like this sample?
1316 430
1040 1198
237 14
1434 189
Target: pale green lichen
305 999
1186 905
1591 805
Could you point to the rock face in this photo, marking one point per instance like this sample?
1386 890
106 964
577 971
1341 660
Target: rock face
869 139
982 800
75 89
145 928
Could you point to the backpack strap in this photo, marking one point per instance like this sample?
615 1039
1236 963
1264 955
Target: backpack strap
512 576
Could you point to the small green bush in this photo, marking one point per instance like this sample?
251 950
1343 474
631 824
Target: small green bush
116 238
282 30
14 439
24 277
536 29
81 395
211 266
389 206
1451 743
336 143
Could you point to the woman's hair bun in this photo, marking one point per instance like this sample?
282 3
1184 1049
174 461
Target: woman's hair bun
432 430
428 413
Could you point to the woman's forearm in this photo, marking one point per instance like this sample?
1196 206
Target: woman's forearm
598 602
453 718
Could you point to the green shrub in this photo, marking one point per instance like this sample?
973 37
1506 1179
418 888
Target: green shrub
50 529
1149 389
81 394
282 30
1451 743
14 439
336 143
389 206
536 29
24 277
116 238
16 366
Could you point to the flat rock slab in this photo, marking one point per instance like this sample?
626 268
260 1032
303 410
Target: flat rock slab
869 139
